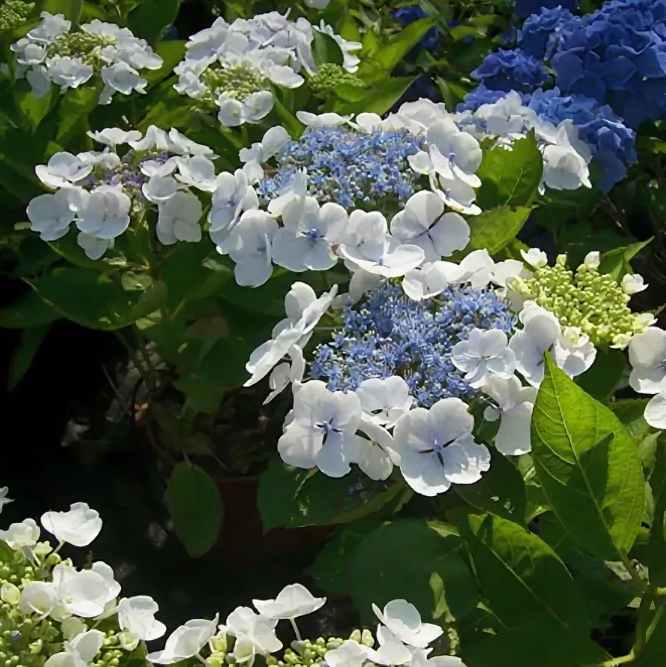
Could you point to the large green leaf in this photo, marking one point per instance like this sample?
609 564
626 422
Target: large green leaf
28 310
24 353
331 569
291 497
531 647
385 58
588 466
500 491
196 508
522 579
378 98
494 229
510 177
95 300
71 9
150 19
414 560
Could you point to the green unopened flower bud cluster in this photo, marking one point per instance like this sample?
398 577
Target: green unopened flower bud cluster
586 299
15 13
23 642
329 77
236 81
80 45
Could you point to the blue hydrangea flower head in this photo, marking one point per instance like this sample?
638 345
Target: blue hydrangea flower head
512 69
539 35
351 168
407 16
617 55
527 7
389 334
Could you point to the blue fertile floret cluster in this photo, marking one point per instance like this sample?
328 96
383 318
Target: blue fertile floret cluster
390 334
348 167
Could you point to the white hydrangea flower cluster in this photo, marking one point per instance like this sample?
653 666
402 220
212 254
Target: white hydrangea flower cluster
375 421
566 157
53 609
230 67
402 637
56 53
101 190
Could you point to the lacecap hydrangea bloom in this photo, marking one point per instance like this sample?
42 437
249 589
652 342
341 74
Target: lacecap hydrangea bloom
132 178
398 365
383 195
230 68
55 52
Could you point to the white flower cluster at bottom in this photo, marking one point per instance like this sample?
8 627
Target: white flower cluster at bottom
49 593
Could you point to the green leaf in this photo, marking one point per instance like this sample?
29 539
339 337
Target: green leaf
616 262
500 491
196 508
522 579
526 647
387 57
149 20
32 109
325 49
71 9
494 229
172 53
588 466
602 379
95 300
414 560
28 310
330 571
291 497
77 104
378 98
510 177
24 353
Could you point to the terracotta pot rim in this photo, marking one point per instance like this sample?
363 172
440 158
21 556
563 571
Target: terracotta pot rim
148 425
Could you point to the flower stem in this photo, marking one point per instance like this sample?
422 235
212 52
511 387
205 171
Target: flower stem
296 632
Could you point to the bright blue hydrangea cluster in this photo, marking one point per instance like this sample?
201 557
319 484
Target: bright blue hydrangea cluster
390 334
512 69
617 55
348 167
527 7
480 96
